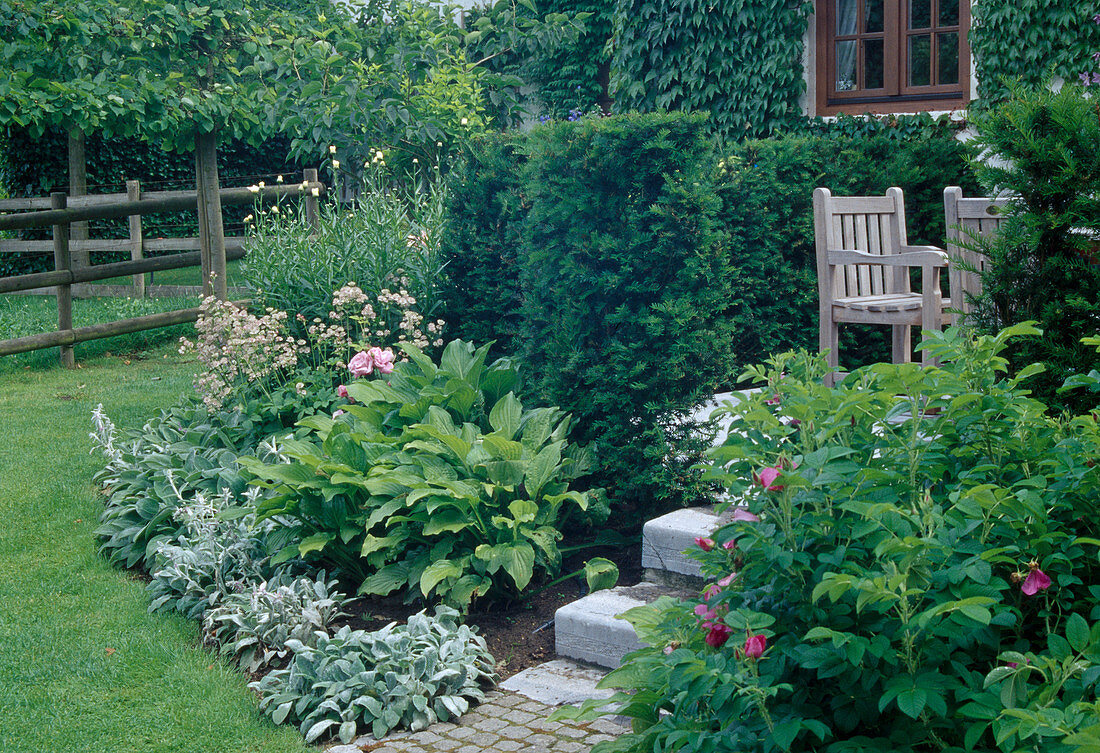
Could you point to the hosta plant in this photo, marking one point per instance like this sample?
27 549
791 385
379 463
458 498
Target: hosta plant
436 482
254 625
402 676
916 570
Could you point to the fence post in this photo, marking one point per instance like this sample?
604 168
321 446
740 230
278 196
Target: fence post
313 216
62 260
133 193
209 198
78 186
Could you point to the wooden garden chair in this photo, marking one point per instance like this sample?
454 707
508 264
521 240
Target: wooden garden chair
969 222
863 263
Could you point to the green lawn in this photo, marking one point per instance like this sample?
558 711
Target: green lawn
83 666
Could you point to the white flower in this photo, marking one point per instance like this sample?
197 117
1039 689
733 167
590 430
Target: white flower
315 191
416 161
275 209
248 219
261 184
332 149
336 164
254 189
464 121
279 179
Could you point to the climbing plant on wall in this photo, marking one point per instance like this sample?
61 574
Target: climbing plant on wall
740 61
1031 40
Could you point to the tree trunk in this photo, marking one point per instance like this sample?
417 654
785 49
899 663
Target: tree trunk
78 186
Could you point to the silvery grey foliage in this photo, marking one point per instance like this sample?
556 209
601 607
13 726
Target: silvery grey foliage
407 676
253 626
211 558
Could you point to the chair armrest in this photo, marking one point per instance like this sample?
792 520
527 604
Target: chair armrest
919 256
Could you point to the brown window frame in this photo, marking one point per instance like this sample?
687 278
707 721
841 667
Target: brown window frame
895 95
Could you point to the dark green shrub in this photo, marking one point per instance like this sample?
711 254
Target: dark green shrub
917 564
1043 266
481 298
626 284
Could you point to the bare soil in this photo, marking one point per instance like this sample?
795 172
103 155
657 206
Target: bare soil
519 634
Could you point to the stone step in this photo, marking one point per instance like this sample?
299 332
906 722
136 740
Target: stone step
587 630
665 541
558 682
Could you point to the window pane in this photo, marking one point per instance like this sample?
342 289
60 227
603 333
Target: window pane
920 60
872 64
846 65
847 17
949 12
947 53
920 14
872 16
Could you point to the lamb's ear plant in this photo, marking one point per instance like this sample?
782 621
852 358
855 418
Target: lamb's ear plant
403 676
255 624
912 568
436 482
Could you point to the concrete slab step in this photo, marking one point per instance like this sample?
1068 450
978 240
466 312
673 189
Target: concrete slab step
558 682
665 539
587 630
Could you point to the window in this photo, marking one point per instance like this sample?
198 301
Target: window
892 55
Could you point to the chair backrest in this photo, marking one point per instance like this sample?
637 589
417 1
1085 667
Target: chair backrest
969 223
873 224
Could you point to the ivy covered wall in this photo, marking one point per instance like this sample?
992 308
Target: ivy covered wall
739 60
1031 40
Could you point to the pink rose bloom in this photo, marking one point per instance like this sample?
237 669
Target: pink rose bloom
383 359
337 414
767 479
717 635
705 544
1035 582
724 582
702 610
740 513
342 391
712 590
755 645
361 364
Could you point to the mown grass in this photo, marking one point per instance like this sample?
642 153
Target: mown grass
23 315
83 666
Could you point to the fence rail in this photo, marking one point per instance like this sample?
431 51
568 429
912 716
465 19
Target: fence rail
61 211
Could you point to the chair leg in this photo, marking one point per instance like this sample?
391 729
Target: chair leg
902 343
828 341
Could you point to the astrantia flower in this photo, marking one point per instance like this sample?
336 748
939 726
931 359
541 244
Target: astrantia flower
1035 582
754 646
705 544
717 635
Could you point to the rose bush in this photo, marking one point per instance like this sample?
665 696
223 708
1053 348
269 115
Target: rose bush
921 575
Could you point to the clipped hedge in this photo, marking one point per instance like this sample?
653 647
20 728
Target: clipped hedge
625 285
634 268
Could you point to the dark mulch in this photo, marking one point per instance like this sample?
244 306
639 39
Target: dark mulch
520 634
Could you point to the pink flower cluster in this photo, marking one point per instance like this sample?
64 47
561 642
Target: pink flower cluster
366 361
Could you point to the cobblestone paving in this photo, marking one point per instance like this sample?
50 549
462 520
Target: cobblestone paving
505 722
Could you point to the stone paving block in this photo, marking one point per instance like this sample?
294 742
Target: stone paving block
469 749
483 739
571 732
562 747
539 739
425 737
558 682
606 726
492 725
461 733
519 717
507 746
343 749
445 744
545 725
599 739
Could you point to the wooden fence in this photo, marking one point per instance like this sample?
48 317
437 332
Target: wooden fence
60 212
